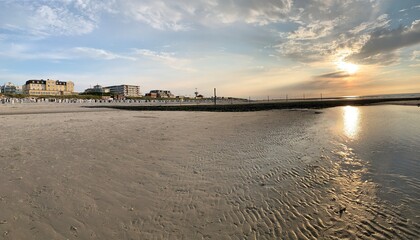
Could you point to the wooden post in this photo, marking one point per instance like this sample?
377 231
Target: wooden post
215 97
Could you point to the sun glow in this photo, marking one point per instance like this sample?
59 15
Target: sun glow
350 68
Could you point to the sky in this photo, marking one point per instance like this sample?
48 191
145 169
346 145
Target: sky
244 48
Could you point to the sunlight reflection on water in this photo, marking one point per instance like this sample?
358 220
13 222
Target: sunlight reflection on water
378 148
351 119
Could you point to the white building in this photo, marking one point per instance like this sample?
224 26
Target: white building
125 90
97 89
9 88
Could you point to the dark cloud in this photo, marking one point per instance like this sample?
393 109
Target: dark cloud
319 83
339 74
331 86
382 45
314 86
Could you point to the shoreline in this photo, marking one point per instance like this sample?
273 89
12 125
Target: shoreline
258 106
56 108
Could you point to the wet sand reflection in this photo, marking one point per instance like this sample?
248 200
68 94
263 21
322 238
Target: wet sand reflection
351 120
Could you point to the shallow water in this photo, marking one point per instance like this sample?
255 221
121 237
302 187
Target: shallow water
383 144
387 140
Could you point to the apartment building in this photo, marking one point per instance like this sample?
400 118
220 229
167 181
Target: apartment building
8 88
125 90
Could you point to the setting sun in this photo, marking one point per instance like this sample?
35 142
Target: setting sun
350 68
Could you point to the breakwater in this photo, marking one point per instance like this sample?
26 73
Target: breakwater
256 106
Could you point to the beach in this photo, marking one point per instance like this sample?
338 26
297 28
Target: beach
70 172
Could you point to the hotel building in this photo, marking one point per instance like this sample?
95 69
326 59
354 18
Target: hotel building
48 87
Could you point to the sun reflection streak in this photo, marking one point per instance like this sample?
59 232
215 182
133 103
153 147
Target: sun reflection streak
351 118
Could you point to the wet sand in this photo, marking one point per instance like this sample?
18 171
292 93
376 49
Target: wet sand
113 174
406 103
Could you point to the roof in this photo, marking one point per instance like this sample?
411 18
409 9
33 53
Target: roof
42 81
34 81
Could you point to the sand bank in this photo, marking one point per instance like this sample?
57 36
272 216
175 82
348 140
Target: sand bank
406 103
262 106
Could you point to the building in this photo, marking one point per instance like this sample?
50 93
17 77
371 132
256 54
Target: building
97 89
8 88
124 90
19 90
48 87
160 94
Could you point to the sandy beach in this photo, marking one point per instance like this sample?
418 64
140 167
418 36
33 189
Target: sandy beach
78 173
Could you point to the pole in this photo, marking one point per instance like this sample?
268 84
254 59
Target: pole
215 97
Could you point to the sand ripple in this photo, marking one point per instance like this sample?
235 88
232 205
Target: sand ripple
265 175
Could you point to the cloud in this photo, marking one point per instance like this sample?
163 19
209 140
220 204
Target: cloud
415 56
49 21
166 58
330 84
27 52
415 59
366 39
251 11
382 46
46 18
184 14
77 17
314 86
339 74
327 29
98 54
158 14
381 22
315 30
305 51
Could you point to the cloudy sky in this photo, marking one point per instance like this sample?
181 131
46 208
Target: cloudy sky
242 47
